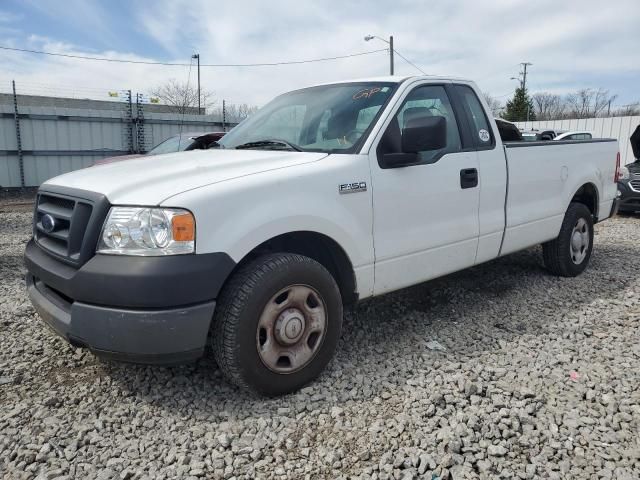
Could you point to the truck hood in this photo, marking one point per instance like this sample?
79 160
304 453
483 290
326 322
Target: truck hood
149 180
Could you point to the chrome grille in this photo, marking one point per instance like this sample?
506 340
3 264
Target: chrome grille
63 231
635 185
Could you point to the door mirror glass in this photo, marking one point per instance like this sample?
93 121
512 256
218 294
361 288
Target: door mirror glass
423 130
424 133
420 134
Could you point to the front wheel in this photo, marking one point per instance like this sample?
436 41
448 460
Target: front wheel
277 323
568 254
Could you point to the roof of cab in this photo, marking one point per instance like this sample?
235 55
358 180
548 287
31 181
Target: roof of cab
393 79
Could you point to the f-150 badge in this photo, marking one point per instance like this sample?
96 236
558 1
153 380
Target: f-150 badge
352 187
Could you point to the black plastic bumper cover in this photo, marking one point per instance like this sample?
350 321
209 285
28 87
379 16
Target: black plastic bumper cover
139 309
128 281
162 336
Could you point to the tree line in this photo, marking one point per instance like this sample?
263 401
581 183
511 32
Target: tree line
183 98
583 103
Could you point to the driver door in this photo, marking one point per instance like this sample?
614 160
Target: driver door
425 216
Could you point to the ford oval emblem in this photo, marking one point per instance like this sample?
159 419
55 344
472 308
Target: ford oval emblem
48 223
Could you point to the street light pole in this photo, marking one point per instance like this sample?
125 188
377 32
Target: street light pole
197 56
390 43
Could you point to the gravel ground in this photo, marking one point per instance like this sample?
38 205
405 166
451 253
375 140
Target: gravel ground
501 371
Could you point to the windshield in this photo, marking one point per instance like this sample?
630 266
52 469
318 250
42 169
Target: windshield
329 118
177 143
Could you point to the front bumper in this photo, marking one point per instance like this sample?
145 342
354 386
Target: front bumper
629 200
164 336
138 309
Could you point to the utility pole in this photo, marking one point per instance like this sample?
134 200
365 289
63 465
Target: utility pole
524 74
523 84
197 56
391 54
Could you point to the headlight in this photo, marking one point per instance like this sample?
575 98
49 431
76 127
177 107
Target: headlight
623 173
148 232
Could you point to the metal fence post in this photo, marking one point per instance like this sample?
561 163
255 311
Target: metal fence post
18 139
224 116
129 134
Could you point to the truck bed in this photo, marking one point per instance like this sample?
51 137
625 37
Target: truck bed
542 179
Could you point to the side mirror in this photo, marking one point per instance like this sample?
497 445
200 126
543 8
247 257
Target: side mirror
424 133
419 135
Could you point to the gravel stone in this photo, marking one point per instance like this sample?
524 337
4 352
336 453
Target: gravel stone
493 397
496 451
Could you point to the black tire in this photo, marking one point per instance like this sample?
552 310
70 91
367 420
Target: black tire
557 253
238 311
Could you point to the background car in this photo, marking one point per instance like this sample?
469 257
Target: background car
540 135
574 136
629 184
177 143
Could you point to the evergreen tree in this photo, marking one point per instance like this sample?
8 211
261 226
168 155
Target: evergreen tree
517 107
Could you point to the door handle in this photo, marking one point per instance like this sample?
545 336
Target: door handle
468 178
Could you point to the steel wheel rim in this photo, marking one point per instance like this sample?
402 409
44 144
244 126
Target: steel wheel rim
579 241
291 329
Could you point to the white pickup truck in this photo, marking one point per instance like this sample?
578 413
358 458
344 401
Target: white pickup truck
326 196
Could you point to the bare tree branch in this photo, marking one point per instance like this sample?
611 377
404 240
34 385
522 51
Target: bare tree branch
548 106
183 98
235 113
494 104
627 110
587 103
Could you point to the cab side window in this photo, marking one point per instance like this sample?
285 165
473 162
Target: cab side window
480 128
424 101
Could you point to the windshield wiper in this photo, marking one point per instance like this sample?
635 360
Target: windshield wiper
269 143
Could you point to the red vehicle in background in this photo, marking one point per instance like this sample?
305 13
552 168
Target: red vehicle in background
177 143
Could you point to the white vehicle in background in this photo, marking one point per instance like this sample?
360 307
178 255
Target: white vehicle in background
576 135
326 196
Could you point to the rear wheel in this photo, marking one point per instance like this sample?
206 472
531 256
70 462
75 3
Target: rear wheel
568 254
277 323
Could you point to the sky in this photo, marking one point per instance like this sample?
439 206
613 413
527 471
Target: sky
571 44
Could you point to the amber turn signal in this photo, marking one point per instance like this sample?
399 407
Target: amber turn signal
183 227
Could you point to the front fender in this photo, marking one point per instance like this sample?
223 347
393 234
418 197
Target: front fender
236 216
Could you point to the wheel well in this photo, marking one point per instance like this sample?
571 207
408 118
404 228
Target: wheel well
322 249
587 194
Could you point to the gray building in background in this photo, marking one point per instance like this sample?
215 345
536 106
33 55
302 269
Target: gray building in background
42 137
